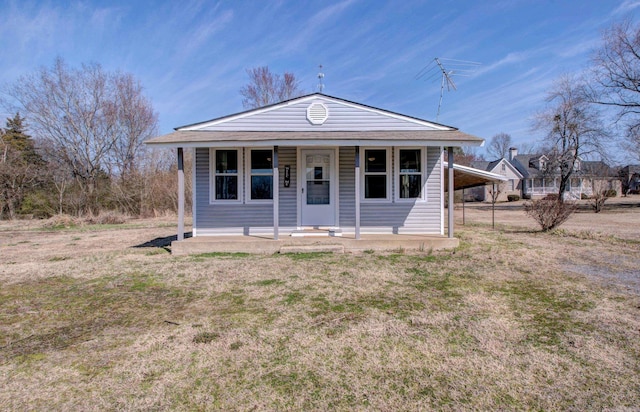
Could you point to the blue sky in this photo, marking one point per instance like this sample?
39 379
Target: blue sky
191 56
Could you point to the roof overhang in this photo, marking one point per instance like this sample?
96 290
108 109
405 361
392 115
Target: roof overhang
465 177
444 138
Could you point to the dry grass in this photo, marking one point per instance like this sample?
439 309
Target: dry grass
513 319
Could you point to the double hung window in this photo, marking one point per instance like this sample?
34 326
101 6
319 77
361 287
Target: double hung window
409 173
226 175
261 174
376 168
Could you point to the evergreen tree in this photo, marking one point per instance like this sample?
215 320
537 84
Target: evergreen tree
16 139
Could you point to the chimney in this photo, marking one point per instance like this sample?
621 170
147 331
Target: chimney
513 152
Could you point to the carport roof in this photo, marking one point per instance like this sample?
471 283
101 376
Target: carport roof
465 177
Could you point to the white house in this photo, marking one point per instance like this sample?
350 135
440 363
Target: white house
512 185
317 162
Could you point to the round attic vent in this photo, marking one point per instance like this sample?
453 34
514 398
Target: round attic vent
317 113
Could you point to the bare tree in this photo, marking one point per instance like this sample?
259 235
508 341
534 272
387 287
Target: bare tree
265 88
573 129
89 120
499 146
616 72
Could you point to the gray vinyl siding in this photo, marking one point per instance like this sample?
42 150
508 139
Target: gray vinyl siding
342 117
391 217
216 216
408 217
347 186
288 200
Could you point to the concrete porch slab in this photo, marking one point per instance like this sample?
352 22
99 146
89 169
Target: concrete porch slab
288 244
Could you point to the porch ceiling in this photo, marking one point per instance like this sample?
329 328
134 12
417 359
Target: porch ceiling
338 138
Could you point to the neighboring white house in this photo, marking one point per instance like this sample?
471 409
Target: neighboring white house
317 161
530 176
513 186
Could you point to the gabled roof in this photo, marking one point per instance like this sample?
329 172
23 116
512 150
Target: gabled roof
307 98
341 122
465 177
491 166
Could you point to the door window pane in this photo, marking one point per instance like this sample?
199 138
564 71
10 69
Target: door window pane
318 192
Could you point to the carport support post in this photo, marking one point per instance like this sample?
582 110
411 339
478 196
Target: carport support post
450 190
180 194
276 194
463 222
357 189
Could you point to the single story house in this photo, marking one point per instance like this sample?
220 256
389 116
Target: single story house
314 163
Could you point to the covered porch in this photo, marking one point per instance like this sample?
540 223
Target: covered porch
456 177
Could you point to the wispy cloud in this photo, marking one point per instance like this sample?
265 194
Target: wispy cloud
510 58
626 7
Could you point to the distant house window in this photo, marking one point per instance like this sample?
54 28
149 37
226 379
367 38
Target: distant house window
376 174
512 184
261 174
410 173
226 175
504 167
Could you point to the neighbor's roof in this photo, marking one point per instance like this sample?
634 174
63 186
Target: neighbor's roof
194 138
465 177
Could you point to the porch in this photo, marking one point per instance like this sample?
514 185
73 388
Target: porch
347 243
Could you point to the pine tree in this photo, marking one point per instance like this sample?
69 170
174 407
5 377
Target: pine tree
16 139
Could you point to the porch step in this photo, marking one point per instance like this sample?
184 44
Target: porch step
317 233
312 248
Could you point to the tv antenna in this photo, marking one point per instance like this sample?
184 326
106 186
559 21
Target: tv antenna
320 80
436 68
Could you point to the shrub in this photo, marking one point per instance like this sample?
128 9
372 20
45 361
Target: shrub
109 217
610 193
513 198
584 196
549 212
60 222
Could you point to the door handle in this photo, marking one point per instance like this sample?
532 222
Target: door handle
303 190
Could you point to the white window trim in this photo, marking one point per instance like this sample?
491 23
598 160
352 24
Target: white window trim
212 176
388 174
423 175
248 174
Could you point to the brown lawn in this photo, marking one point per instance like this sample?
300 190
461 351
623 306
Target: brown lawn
512 319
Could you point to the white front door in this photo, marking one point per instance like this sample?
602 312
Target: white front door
318 188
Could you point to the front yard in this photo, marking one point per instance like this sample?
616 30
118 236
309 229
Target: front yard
512 319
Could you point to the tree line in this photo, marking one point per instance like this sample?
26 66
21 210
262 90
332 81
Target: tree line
75 146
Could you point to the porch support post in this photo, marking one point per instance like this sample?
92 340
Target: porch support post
450 190
357 189
180 194
276 194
